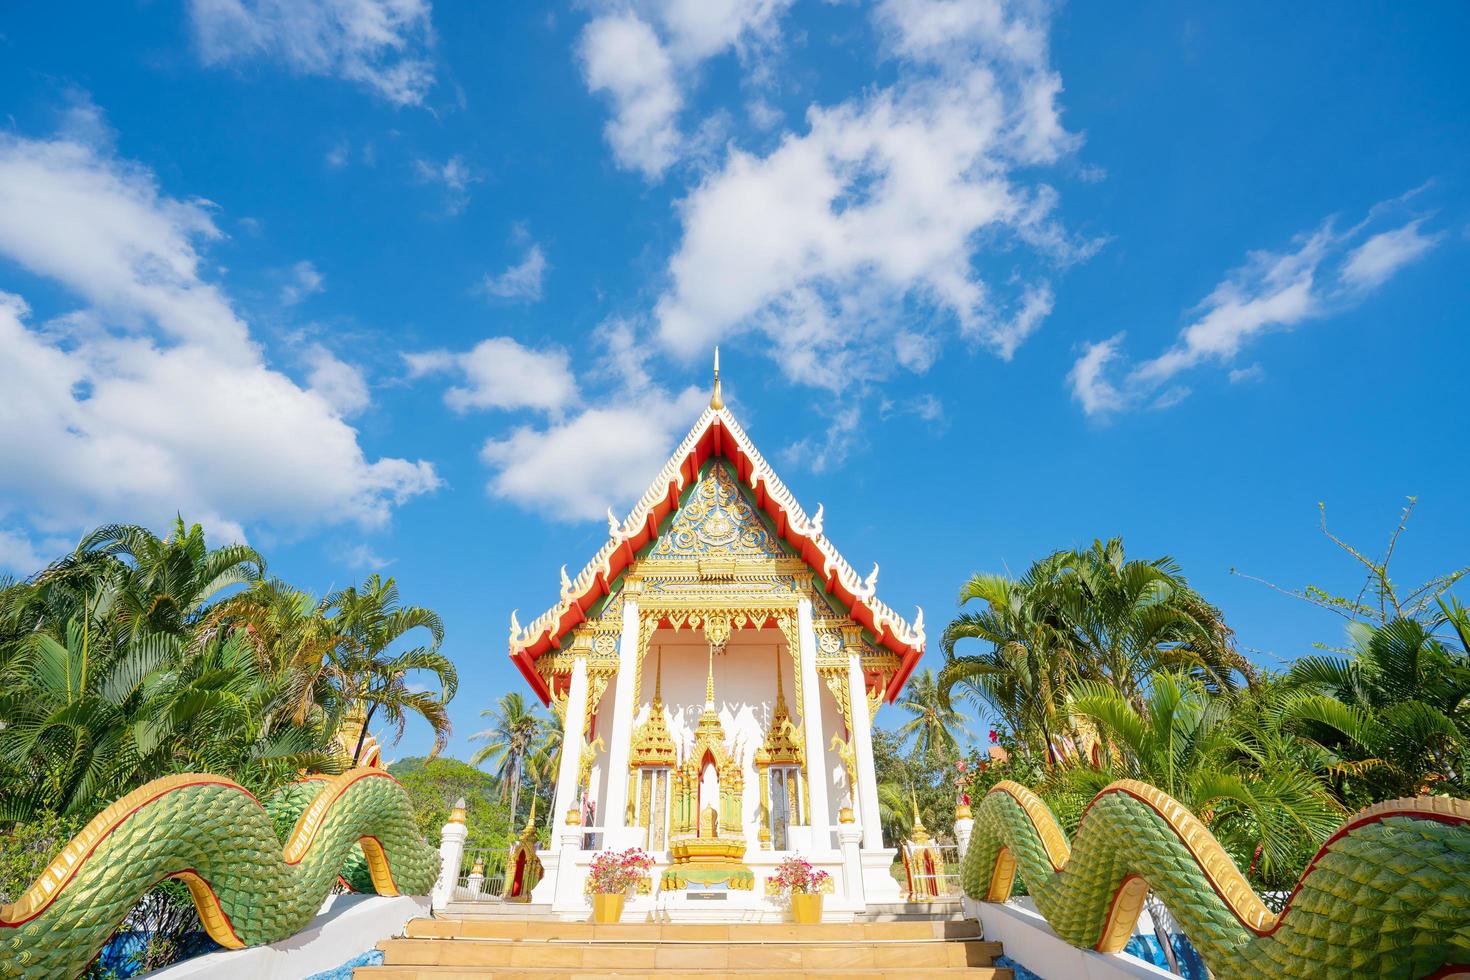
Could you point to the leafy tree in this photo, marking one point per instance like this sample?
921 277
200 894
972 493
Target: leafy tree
905 775
434 784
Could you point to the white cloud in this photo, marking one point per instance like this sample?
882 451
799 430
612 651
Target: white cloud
18 554
1245 375
340 384
454 175
383 44
153 399
305 281
338 156
821 454
362 558
604 457
623 57
521 281
886 203
1376 260
1090 385
500 373
641 57
70 212
1326 272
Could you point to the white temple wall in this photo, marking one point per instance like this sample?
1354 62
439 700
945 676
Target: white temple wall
602 728
836 772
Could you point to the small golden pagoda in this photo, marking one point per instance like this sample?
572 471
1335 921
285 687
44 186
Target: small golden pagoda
782 752
923 865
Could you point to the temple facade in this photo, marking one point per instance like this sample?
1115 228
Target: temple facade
716 668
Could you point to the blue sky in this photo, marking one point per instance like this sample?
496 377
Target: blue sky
377 285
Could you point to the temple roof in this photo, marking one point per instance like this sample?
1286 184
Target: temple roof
717 434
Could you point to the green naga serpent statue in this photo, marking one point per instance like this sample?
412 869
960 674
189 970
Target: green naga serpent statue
221 842
1388 895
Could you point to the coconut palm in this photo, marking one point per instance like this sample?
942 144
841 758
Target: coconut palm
935 726
512 740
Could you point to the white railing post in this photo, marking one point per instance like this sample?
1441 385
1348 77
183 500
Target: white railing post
964 826
451 853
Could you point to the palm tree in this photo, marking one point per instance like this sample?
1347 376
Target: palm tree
291 633
1396 706
369 621
1252 795
87 719
1025 677
168 580
934 725
511 740
1130 618
1075 615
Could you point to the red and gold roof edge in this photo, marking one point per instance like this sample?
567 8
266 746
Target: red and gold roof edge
716 434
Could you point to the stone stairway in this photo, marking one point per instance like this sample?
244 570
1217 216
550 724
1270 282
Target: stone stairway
500 947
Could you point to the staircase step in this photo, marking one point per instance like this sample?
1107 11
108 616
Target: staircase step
560 973
692 955
553 931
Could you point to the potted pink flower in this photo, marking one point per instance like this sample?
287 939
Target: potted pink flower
796 877
611 875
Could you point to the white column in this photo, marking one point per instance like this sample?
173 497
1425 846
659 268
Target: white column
613 814
570 871
571 749
818 774
866 792
848 837
451 855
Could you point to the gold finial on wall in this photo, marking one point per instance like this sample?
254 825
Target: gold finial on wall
709 682
658 680
715 401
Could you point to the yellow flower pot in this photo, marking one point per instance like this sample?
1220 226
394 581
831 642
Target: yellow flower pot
806 909
609 908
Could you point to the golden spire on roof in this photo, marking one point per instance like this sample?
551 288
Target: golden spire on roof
715 401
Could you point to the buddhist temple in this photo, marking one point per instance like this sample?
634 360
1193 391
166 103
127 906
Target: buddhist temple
716 667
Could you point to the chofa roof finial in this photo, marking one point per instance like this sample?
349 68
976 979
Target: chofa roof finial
715 401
